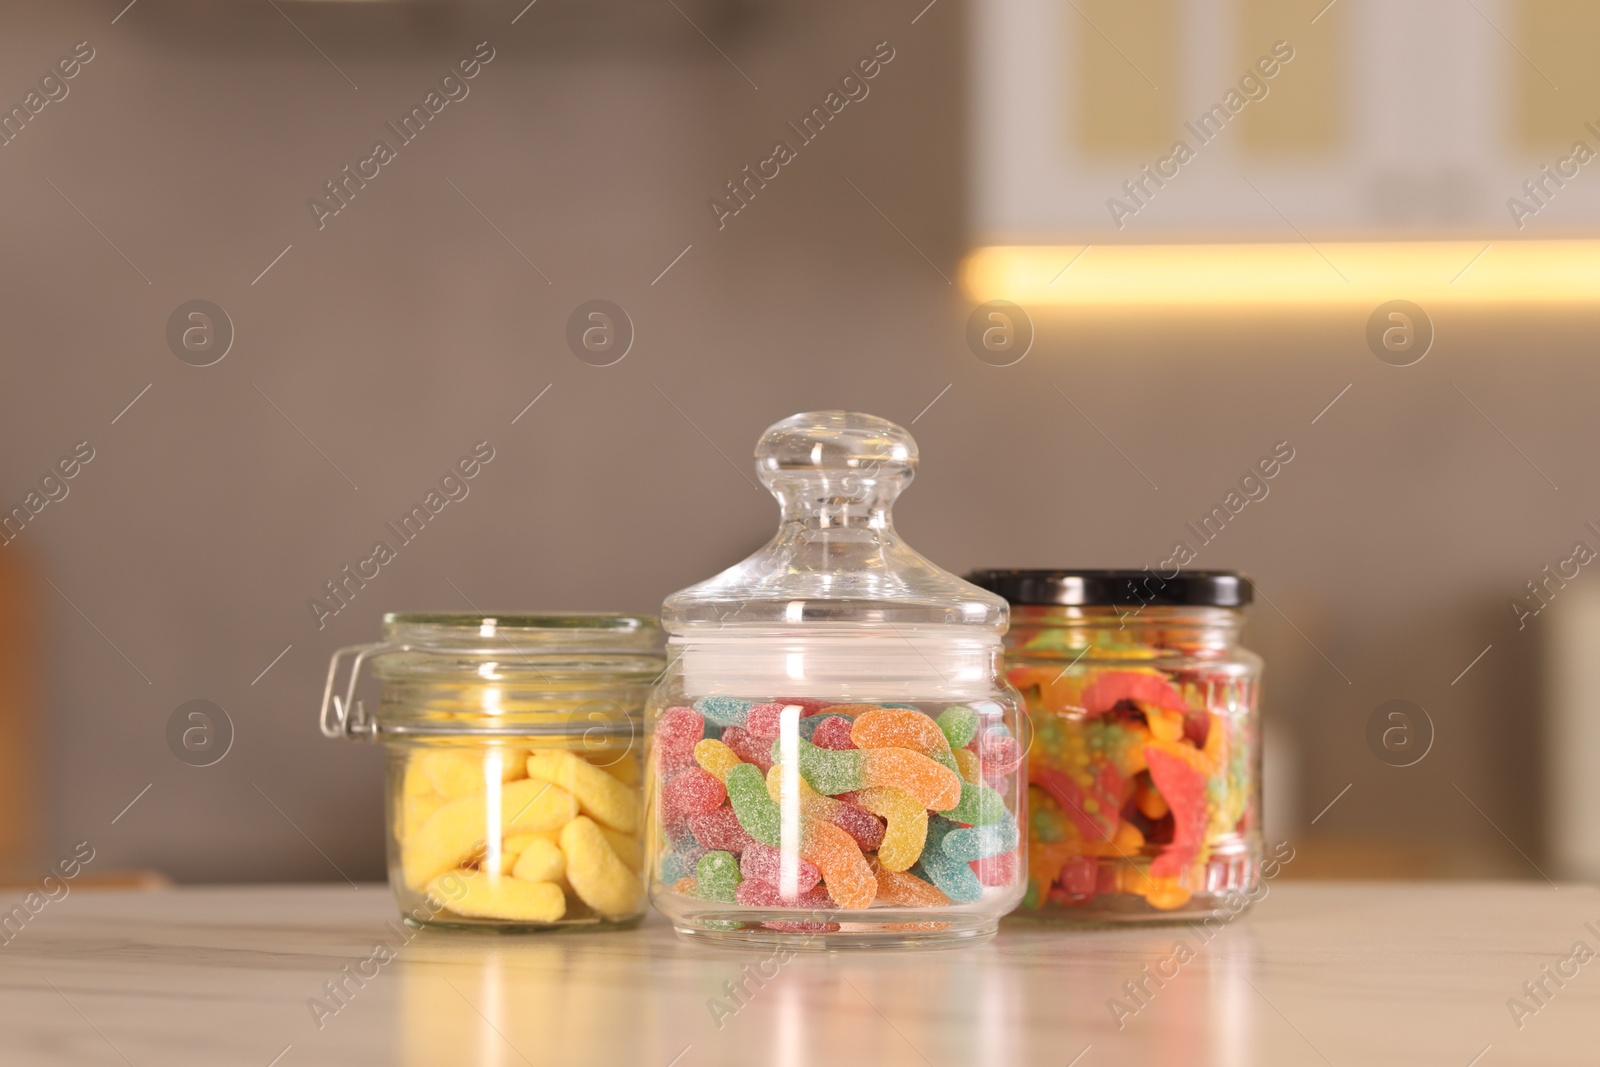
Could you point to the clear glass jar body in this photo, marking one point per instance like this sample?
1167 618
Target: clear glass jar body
819 788
1144 774
514 767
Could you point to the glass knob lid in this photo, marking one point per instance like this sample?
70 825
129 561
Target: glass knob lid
836 558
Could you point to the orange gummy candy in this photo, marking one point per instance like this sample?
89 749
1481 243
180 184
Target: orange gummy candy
911 772
898 728
844 869
899 887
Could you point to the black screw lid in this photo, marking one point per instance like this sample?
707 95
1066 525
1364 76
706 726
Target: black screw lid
1107 588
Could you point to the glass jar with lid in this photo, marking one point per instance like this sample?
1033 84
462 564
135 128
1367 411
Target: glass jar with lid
1144 776
835 750
514 751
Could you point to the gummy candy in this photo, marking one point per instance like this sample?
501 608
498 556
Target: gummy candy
599 878
717 876
765 864
1185 790
677 732
720 830
725 711
715 758
959 725
980 842
757 750
766 720
908 825
692 792
998 870
979 806
758 813
897 728
865 827
760 894
833 732
952 876
844 869
1148 688
600 796
1000 755
906 890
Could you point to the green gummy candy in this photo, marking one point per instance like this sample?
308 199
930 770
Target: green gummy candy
946 760
960 725
717 876
979 806
757 812
829 771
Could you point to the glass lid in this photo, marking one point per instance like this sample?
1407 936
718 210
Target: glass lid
836 560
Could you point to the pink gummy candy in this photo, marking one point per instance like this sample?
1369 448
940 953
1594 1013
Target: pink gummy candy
1000 755
692 792
763 863
1079 876
765 720
677 732
860 824
998 870
719 830
833 732
760 894
749 748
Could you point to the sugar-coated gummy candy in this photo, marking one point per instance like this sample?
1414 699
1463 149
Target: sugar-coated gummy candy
1185 791
725 711
844 869
598 877
455 772
766 719
980 842
600 796
765 864
678 865
1000 754
825 770
692 792
717 876
751 749
629 849
457 830
686 886
1146 688
935 786
865 827
968 764
541 861
715 758
996 871
758 894
906 889
979 806
758 813
487 897
720 830
959 725
953 877
677 731
898 728
832 732
907 829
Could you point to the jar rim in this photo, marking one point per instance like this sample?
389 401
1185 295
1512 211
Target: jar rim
494 624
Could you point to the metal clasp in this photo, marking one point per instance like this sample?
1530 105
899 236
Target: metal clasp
346 716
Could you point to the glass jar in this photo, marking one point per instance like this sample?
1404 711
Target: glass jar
1144 776
514 763
834 747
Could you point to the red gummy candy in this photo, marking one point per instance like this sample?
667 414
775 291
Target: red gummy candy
763 863
833 732
860 824
1111 687
765 720
1079 876
1184 790
1197 726
1000 755
749 748
719 831
758 894
1070 797
998 870
692 792
677 732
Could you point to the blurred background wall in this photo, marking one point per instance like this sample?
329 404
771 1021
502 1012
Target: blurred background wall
427 314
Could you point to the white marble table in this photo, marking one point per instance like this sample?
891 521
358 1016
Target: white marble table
1319 974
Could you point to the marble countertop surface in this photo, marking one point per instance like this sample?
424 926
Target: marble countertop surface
1321 974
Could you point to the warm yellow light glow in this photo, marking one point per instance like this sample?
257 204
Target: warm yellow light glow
1232 275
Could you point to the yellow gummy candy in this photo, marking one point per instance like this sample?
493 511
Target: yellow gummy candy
624 770
812 803
455 832
541 861
629 849
600 796
597 875
457 772
715 758
502 898
970 766
907 831
417 800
